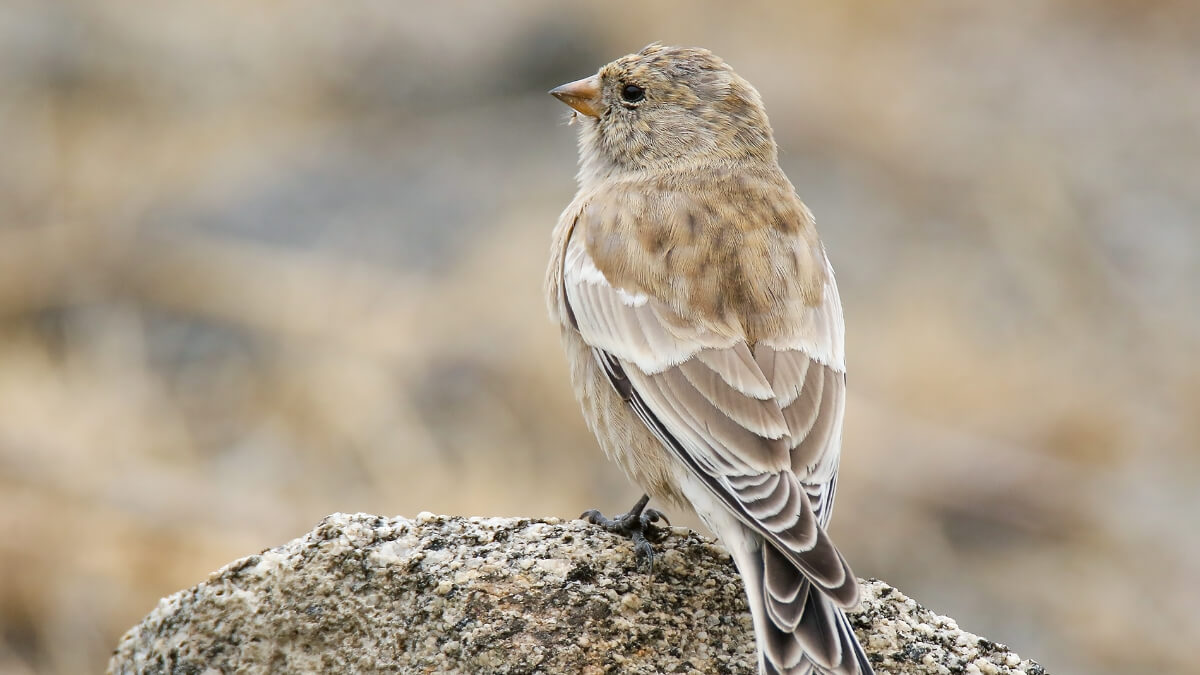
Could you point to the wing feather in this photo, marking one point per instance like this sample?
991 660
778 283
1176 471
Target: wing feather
811 446
802 412
761 417
738 369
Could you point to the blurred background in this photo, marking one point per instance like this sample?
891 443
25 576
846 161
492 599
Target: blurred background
263 262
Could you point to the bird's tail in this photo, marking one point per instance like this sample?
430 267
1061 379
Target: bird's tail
799 629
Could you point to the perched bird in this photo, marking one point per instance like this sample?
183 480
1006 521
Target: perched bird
705 337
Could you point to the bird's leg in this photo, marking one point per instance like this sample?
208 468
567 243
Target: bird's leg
638 525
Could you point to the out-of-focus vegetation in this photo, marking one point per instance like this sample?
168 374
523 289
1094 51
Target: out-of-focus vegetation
264 261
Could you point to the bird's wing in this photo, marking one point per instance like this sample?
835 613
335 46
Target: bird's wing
758 420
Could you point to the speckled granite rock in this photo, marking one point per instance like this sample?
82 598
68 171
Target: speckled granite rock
439 594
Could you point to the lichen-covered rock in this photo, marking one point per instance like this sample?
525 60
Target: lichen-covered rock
439 594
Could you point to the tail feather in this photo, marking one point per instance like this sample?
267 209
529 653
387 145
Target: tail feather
801 631
799 624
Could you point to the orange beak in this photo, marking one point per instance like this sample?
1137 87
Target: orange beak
582 95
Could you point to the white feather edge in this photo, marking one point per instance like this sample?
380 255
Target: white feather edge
624 323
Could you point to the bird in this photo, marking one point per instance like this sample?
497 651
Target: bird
705 338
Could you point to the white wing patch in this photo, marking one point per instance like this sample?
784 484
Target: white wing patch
628 325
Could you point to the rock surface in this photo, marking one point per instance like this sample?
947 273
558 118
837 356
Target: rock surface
439 594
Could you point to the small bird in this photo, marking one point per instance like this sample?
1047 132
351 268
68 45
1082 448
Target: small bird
704 333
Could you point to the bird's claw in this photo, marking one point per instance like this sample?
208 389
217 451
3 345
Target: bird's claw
640 528
655 515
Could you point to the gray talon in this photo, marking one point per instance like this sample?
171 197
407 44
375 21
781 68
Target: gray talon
638 525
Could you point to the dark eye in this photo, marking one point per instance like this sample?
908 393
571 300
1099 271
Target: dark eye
631 93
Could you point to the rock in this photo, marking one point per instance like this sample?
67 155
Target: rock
441 594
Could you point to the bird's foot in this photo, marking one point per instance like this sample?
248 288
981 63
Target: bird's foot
639 525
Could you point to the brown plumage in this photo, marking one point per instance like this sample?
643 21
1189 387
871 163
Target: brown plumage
704 333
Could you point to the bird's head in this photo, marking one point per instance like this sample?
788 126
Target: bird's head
666 108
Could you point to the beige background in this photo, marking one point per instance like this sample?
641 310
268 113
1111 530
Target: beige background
260 262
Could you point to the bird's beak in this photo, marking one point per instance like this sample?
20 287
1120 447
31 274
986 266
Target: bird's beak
582 95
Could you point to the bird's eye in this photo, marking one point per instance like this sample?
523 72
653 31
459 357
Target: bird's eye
631 93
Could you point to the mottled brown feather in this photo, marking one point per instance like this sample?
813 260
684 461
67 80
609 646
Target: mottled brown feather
737 262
